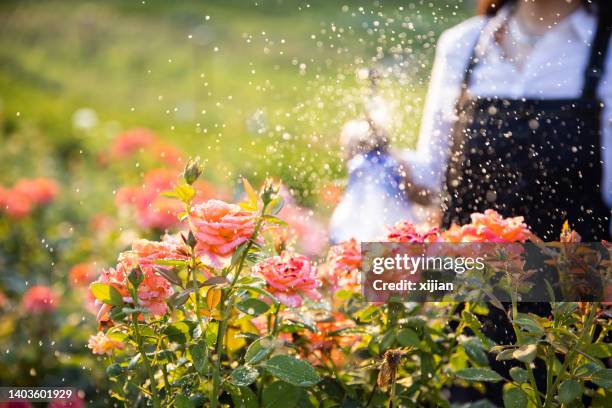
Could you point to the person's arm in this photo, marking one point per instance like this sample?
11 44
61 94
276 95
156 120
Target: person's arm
426 166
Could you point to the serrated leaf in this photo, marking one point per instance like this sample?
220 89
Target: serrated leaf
242 397
291 370
244 376
603 378
106 293
479 374
259 350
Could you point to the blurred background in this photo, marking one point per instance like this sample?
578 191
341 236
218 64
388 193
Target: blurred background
102 102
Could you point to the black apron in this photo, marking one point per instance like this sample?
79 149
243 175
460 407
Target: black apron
536 158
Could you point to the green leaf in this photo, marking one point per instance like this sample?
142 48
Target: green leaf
182 401
106 294
515 397
529 324
242 397
180 332
526 354
387 340
259 350
603 378
473 349
505 355
199 355
185 192
280 395
271 219
293 371
244 376
276 205
519 375
253 306
479 374
408 337
600 350
569 390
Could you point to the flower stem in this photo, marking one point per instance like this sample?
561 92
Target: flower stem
145 359
228 300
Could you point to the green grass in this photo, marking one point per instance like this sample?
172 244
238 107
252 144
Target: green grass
135 64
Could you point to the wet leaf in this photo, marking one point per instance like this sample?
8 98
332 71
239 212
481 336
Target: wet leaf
479 374
253 306
293 371
519 375
182 401
244 376
259 350
199 355
515 397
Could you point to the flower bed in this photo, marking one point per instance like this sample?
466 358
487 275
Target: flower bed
225 312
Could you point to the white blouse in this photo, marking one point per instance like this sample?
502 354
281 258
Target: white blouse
554 69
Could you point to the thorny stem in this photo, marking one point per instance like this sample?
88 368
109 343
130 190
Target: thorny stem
517 333
227 298
145 359
586 331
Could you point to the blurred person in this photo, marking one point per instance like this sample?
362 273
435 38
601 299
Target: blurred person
518 119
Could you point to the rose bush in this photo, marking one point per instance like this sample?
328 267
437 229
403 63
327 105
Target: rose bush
220 314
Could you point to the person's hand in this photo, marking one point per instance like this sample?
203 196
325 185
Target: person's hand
361 136
415 193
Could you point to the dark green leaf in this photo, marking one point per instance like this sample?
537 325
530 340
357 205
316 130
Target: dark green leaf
479 374
244 376
291 370
515 397
519 375
569 390
280 395
182 401
408 337
199 355
259 350
253 306
603 378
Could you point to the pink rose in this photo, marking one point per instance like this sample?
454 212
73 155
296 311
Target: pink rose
489 227
404 231
131 142
289 276
41 190
40 299
219 228
343 264
152 292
